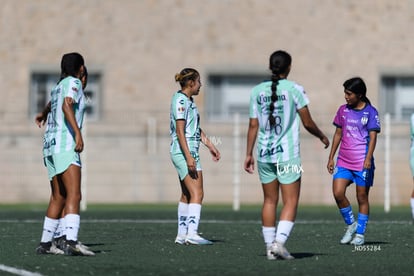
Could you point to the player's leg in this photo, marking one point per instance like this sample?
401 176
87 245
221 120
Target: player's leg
363 183
59 237
290 197
270 187
269 210
341 180
182 214
196 191
71 179
51 220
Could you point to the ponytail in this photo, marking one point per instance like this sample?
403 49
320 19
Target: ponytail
279 64
275 82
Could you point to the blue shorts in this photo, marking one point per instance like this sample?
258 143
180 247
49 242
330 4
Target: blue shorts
285 172
58 163
364 178
180 163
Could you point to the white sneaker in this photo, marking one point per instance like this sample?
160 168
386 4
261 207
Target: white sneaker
48 248
76 249
180 239
350 231
358 240
85 250
269 254
280 251
197 240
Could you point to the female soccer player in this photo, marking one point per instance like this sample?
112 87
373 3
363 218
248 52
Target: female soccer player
357 124
274 106
62 146
186 136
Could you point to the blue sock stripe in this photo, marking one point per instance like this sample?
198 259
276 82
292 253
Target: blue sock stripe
348 215
362 223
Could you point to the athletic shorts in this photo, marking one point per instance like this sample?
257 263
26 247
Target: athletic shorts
364 178
180 163
58 163
285 172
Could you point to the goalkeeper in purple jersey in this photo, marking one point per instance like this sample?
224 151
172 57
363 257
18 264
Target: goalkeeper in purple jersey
357 125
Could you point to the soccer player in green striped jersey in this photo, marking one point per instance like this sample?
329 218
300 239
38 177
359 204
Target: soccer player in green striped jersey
62 146
186 136
274 122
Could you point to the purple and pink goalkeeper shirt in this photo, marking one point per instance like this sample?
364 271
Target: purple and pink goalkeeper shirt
355 125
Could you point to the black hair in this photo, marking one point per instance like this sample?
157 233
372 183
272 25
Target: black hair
71 64
85 75
357 85
279 63
186 75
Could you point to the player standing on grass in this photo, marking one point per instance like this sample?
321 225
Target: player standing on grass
186 136
274 109
357 124
62 146
59 237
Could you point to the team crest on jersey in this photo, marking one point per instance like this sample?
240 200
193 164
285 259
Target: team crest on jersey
181 109
364 120
75 89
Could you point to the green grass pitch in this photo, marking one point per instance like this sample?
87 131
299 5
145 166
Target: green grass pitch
139 240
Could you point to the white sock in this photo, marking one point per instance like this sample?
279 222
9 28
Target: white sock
63 221
412 206
269 235
49 228
182 218
72 226
194 211
283 231
59 230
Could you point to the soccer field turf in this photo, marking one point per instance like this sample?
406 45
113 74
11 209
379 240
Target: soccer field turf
139 240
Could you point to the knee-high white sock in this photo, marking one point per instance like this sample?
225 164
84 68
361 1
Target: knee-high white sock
194 212
269 235
283 231
412 206
49 228
60 229
182 219
72 226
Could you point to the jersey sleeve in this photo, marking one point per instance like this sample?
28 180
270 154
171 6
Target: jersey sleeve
338 118
374 121
74 89
179 108
301 99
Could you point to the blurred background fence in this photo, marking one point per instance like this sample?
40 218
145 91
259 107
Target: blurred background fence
137 168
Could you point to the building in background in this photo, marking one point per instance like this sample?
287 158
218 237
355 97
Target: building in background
134 48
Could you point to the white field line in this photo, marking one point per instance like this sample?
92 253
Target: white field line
212 221
17 271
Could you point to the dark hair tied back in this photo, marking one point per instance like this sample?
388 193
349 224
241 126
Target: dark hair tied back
279 63
187 74
70 65
357 85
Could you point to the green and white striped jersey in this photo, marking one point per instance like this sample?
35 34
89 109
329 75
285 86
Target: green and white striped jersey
184 108
281 142
59 136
